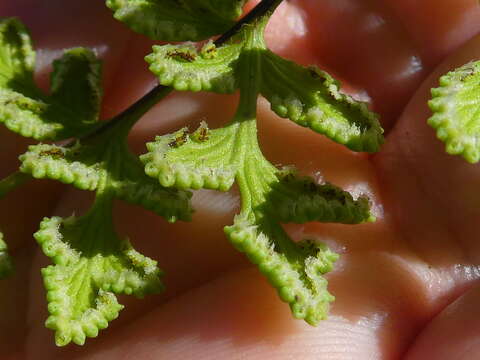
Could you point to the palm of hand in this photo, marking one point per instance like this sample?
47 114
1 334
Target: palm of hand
395 276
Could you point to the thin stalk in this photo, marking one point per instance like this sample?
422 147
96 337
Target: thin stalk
132 114
263 8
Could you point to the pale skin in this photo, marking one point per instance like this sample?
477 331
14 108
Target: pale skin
406 286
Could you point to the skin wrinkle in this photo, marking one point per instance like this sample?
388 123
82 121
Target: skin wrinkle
451 332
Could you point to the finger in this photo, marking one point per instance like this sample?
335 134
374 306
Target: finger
434 195
453 334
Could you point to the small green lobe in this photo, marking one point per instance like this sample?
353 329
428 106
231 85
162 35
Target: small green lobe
91 264
455 106
186 69
192 161
58 163
72 108
172 20
312 98
300 200
87 166
297 275
28 117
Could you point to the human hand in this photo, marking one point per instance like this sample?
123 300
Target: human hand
396 277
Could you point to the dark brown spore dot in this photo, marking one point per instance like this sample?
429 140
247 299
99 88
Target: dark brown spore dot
55 153
203 134
183 55
179 140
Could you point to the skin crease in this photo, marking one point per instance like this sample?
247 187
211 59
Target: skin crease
404 284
